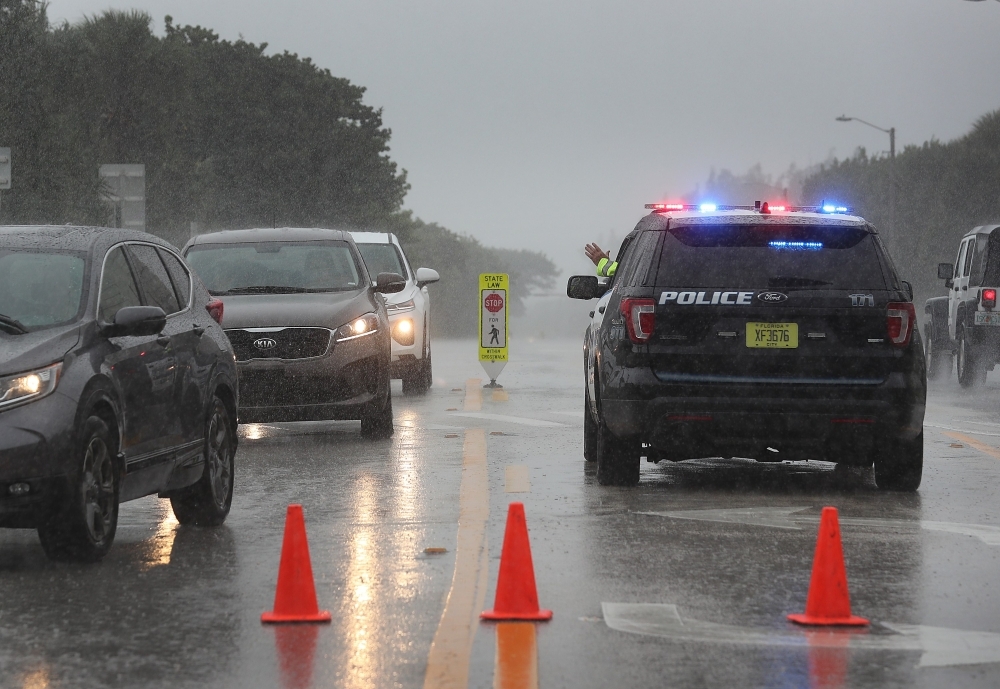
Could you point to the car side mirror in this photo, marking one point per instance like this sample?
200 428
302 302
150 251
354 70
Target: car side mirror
582 287
137 321
945 271
908 288
390 283
426 276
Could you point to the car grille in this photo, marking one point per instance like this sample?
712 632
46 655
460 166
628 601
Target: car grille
286 343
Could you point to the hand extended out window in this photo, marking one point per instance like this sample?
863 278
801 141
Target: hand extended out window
769 257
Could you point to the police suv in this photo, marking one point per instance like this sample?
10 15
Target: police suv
767 332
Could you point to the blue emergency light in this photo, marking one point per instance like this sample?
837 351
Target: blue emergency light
794 245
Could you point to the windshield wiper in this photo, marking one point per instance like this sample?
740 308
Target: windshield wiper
796 282
265 289
14 324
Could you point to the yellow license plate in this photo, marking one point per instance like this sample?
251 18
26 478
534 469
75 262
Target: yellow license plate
773 335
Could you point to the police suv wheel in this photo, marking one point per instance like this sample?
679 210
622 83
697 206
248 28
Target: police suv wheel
899 465
617 459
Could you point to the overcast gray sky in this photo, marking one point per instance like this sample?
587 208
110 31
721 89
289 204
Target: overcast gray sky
542 124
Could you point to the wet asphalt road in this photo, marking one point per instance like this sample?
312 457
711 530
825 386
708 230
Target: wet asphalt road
180 607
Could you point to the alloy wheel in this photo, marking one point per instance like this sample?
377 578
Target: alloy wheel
98 487
219 467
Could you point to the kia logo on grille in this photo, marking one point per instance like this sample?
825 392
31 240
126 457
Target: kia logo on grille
772 297
265 343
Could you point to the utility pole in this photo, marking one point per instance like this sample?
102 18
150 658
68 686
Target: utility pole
891 131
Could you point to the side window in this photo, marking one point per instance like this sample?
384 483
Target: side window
641 268
969 253
156 287
959 264
979 260
179 276
624 260
118 288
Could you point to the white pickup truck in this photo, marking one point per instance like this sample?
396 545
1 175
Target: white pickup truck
966 323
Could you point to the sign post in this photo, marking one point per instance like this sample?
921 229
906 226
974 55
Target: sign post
493 294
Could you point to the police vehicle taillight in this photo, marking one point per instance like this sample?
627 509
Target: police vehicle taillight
640 317
989 299
899 319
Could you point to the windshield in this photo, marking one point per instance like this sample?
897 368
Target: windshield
769 257
40 289
381 258
275 267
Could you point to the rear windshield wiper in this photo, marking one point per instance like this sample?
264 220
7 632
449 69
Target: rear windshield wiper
13 324
796 282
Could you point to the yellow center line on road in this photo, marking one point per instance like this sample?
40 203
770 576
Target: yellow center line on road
473 395
448 660
972 442
517 479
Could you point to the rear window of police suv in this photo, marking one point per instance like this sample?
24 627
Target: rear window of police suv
769 257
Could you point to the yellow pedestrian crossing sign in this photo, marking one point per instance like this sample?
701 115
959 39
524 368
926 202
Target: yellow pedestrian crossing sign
493 294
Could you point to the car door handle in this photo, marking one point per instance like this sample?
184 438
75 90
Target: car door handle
198 330
600 309
163 340
964 288
591 314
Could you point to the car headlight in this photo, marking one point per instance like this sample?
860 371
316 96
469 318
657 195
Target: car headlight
402 332
359 327
401 306
27 387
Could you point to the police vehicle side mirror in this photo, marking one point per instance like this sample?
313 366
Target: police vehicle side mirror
136 321
908 288
583 287
390 283
945 271
426 276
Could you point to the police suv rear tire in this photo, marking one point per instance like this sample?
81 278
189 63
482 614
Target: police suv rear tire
938 359
899 465
971 372
617 459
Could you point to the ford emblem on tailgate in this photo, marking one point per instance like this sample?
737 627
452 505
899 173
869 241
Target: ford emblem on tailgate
265 343
772 297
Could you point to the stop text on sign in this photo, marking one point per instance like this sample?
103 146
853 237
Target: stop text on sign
494 302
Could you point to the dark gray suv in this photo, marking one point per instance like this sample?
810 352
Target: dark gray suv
308 326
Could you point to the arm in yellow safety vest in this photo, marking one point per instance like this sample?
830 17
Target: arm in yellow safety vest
605 266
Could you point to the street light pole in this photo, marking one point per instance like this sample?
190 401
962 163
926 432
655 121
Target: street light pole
891 131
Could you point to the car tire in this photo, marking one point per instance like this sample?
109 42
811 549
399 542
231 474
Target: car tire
208 501
971 372
617 459
899 465
376 422
589 430
84 527
419 380
938 359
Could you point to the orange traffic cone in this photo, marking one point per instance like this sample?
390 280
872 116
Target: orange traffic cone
828 602
517 598
295 597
